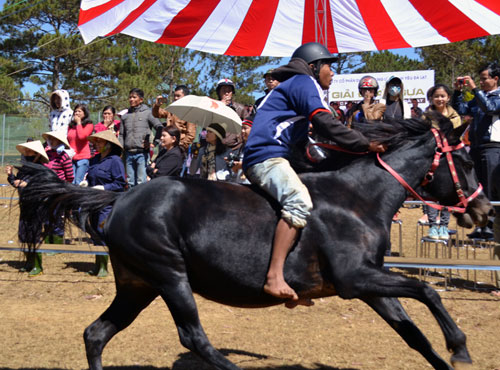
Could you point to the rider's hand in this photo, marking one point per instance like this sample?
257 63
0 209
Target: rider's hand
377 147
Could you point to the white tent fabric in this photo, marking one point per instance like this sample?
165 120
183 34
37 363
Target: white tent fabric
278 27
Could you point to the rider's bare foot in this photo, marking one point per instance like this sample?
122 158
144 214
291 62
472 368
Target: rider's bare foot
279 288
300 302
496 293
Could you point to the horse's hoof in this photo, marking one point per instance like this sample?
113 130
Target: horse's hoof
461 365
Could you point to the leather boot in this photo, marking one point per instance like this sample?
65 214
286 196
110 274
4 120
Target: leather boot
30 262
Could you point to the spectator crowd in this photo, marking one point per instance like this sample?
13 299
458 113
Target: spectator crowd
118 153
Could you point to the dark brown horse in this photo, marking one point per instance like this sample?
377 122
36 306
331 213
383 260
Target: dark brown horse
175 236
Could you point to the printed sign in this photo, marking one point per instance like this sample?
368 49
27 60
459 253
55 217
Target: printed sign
344 88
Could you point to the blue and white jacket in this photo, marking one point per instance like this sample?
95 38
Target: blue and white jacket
283 117
484 130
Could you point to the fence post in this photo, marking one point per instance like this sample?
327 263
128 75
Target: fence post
3 138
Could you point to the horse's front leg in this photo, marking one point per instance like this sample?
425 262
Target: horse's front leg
367 281
391 310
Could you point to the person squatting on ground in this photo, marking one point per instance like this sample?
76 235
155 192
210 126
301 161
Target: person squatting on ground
61 113
439 97
484 131
106 172
278 125
80 128
187 129
368 109
33 152
135 132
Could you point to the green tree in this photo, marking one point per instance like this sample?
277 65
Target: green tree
9 88
245 72
460 58
385 61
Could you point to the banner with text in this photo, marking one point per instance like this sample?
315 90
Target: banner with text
344 88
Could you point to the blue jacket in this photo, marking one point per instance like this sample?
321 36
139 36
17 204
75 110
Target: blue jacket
108 172
484 108
282 120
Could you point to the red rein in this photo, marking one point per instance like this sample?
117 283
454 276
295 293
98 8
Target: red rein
442 147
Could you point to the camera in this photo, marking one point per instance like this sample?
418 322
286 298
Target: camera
231 158
460 81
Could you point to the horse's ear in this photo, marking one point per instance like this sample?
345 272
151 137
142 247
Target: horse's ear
457 133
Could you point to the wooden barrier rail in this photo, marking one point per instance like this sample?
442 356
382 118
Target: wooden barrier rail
401 262
61 248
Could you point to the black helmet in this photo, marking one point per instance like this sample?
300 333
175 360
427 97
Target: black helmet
313 51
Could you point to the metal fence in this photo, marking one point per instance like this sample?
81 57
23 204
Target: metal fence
16 129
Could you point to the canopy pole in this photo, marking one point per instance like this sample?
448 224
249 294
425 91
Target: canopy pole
320 22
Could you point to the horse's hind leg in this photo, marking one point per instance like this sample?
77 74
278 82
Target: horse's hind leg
180 301
128 303
374 282
391 310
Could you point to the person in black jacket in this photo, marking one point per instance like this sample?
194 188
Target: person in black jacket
169 159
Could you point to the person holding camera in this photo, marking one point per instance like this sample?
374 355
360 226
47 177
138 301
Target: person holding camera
484 131
235 158
135 131
186 129
169 160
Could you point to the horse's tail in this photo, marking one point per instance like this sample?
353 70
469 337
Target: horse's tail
47 202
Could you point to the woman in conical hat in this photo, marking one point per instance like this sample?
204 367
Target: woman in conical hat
34 152
106 172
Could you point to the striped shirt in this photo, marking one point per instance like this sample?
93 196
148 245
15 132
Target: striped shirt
61 164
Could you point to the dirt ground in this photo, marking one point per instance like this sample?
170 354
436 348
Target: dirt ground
42 321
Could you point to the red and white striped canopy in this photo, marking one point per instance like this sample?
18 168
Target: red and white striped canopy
278 27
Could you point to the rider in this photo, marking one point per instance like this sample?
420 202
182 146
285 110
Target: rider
279 124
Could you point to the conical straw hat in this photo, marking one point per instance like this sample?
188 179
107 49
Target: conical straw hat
107 135
36 146
59 135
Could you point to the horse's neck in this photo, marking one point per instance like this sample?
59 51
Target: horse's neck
375 185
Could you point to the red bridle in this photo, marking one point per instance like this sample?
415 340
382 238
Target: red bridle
442 147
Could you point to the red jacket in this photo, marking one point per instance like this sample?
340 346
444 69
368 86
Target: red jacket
77 139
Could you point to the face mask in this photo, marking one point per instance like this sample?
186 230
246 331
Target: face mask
394 90
104 148
60 149
29 158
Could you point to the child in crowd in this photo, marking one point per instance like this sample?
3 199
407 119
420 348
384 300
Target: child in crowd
60 163
439 101
61 113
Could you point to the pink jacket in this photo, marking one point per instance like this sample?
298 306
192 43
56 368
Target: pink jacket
77 139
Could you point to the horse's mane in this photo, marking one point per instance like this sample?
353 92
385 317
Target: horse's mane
392 132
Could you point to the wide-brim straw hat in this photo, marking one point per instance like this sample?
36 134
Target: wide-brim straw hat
59 135
107 135
36 146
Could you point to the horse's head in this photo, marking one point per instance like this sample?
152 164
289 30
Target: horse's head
454 181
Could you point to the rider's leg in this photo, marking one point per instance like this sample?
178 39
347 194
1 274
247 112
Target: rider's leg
283 241
277 177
